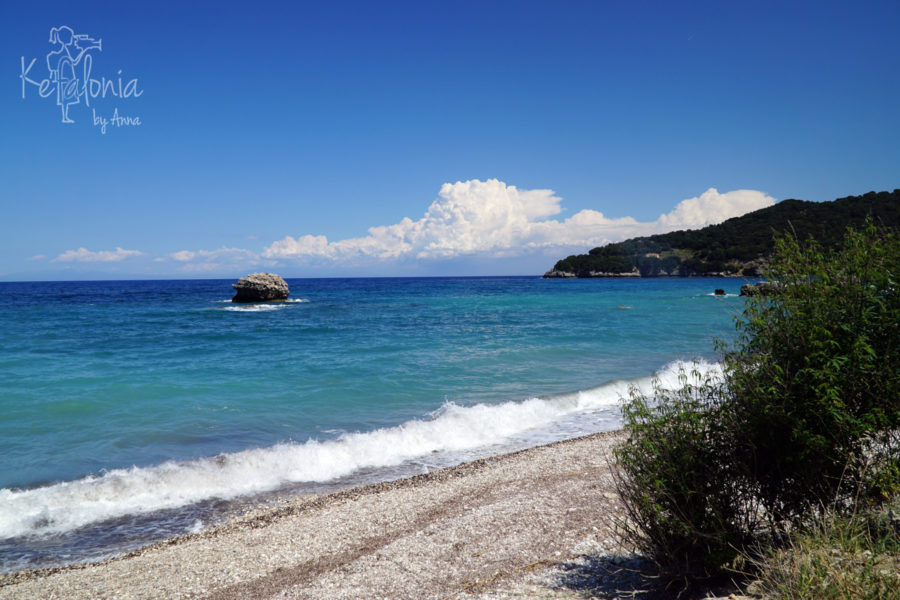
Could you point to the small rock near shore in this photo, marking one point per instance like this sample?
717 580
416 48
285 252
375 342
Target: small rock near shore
261 287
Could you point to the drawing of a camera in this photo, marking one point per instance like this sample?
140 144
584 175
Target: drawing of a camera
86 42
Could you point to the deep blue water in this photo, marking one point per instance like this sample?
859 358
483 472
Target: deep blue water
142 408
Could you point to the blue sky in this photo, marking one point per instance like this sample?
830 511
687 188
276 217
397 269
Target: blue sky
475 137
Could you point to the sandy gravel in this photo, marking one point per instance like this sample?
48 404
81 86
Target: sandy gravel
493 528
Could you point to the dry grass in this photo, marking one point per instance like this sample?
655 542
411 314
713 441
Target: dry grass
840 557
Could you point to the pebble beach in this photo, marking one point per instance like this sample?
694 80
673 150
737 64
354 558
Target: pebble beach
491 528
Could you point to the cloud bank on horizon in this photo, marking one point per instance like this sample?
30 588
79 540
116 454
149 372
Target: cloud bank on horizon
485 219
84 255
493 219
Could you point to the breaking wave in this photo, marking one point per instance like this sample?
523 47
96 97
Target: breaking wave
453 429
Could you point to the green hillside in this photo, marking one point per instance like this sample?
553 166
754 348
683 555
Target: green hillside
736 247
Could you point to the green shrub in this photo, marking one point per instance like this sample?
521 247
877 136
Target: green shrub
814 381
687 509
807 417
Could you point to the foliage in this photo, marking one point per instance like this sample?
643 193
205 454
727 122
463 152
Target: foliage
687 509
815 379
807 416
737 243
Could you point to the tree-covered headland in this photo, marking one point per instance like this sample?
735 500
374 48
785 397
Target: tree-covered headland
737 247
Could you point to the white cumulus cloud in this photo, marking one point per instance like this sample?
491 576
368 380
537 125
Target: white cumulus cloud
711 207
85 255
467 218
491 218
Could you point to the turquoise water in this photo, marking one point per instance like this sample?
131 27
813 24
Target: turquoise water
139 409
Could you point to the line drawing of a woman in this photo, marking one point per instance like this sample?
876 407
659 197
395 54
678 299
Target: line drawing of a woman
62 61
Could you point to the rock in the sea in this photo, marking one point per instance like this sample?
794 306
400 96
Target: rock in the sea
719 292
260 287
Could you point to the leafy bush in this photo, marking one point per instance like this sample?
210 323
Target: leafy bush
687 509
807 416
814 382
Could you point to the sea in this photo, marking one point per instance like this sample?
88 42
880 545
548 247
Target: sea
134 411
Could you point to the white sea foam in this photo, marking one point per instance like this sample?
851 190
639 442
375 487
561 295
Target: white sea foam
253 307
262 307
72 504
196 527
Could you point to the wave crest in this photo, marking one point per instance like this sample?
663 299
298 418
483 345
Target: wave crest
72 504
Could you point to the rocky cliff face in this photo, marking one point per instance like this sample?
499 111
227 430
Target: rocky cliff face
559 274
556 274
260 287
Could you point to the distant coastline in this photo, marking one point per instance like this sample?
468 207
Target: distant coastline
554 274
738 247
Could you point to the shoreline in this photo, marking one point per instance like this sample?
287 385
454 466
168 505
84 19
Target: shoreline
476 521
